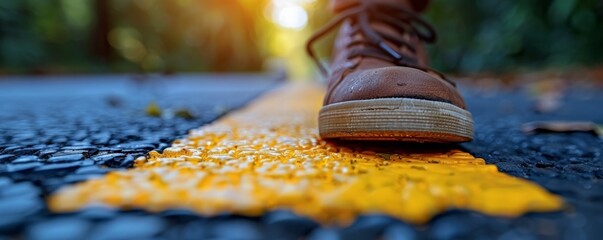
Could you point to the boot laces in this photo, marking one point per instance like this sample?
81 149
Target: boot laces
375 44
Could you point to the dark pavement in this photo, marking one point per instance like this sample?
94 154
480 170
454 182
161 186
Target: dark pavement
56 131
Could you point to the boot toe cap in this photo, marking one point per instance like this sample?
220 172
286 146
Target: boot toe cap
395 82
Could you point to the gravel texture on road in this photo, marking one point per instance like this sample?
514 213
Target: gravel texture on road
57 131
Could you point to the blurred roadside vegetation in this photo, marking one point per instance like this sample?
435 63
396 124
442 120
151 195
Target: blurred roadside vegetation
92 36
502 35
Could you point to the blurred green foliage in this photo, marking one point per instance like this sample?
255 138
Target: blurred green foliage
203 35
188 35
41 36
497 35
43 32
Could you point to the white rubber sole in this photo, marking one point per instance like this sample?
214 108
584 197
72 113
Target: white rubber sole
399 119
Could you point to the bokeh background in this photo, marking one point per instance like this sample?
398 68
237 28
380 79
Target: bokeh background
169 36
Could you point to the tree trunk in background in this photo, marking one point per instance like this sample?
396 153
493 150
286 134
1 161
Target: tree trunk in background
101 49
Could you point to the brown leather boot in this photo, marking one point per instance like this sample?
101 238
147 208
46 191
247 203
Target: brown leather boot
380 87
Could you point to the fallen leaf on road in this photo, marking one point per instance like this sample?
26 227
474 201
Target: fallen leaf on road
114 101
562 127
599 130
184 113
548 94
153 110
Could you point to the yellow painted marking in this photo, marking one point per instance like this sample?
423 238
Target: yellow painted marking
268 156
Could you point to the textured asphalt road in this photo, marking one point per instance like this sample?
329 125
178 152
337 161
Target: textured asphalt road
56 131
567 164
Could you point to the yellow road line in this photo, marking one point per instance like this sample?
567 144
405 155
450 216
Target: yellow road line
267 156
